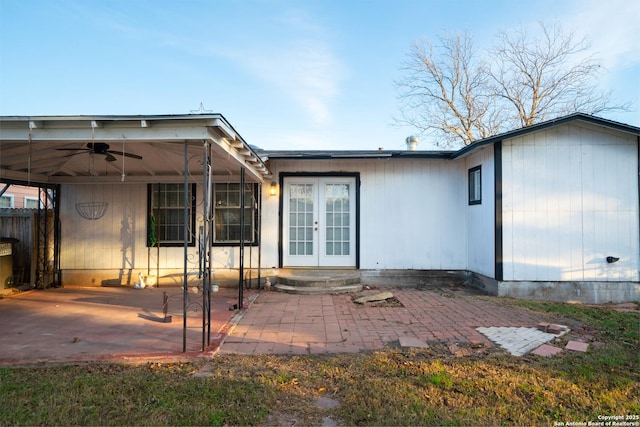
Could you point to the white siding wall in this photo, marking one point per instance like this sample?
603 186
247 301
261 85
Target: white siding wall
481 218
118 240
412 212
570 199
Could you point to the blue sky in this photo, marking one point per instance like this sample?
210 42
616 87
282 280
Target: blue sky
286 74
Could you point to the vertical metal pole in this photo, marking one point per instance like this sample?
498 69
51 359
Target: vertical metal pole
259 234
241 274
158 236
206 279
205 215
45 250
209 243
57 234
185 231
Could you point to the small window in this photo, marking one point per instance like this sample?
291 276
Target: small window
6 201
32 203
475 185
165 208
227 213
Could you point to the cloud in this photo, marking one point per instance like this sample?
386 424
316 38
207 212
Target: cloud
287 49
301 64
611 26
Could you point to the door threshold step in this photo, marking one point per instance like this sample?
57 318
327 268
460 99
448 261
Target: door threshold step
318 290
316 280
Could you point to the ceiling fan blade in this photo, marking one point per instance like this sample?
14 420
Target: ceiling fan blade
79 152
133 156
72 149
109 158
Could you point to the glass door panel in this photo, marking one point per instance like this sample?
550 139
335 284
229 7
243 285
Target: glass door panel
319 226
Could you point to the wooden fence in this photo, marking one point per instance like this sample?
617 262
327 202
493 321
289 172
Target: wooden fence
20 224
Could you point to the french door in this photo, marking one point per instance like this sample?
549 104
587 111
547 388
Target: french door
319 222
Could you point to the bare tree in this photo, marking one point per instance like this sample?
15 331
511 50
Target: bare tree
451 93
447 93
546 77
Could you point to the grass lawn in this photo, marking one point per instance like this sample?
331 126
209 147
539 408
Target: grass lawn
388 387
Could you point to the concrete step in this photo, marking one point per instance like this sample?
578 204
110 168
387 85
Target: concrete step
314 282
318 290
317 281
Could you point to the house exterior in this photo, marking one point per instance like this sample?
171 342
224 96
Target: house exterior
19 197
546 212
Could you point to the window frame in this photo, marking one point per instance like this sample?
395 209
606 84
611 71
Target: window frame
33 199
192 217
252 239
475 176
11 199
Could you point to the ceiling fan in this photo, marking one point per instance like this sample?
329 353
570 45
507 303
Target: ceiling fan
99 148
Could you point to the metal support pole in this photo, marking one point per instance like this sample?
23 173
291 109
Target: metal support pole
241 275
55 195
185 230
259 234
206 278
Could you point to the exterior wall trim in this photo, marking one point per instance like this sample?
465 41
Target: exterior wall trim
497 164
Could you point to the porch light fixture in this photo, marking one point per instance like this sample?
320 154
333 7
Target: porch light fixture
273 189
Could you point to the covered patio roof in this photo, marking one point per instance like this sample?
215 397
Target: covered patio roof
134 149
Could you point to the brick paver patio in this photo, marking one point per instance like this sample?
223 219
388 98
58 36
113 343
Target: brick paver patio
309 324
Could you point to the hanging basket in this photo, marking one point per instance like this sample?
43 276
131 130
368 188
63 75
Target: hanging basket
92 210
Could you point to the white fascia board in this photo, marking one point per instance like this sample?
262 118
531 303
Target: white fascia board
242 160
105 134
225 128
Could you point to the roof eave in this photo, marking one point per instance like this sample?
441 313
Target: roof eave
621 127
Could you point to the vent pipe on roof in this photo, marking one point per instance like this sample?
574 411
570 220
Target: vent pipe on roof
412 142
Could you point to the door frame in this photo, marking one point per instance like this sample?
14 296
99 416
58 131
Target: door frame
281 178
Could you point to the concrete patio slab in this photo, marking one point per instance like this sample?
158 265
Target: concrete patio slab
76 324
84 324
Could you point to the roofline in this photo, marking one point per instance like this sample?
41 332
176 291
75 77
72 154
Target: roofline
116 117
350 154
621 127
142 117
384 154
346 154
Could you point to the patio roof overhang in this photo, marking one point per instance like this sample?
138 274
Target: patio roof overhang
54 149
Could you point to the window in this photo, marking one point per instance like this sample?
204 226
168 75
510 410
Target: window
32 203
475 185
165 225
227 213
6 201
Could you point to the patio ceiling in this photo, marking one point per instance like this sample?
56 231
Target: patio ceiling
55 149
